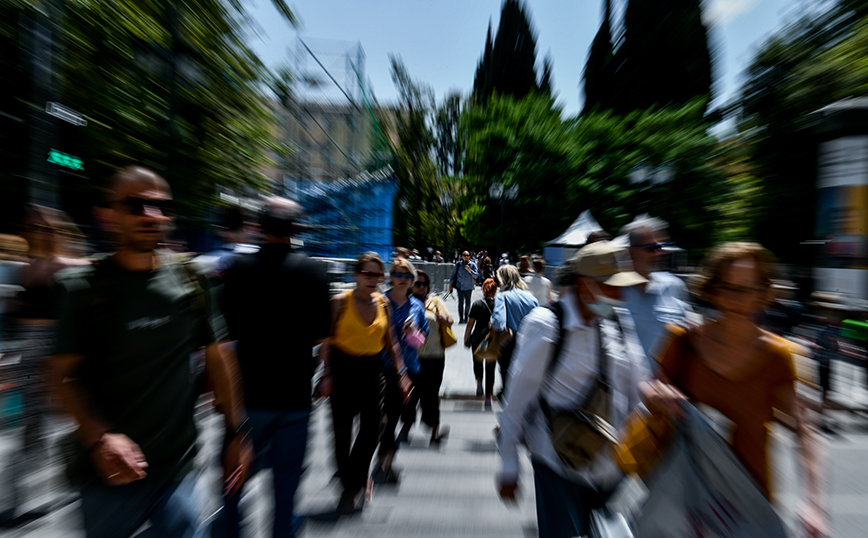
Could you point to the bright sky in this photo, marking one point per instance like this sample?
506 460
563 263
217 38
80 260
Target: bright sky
441 41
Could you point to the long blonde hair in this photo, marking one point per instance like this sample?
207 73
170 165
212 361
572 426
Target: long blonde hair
509 278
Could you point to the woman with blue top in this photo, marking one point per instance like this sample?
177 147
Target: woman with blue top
511 305
411 329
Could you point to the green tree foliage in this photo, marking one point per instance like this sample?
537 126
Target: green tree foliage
167 84
599 75
511 68
565 167
448 143
811 63
664 57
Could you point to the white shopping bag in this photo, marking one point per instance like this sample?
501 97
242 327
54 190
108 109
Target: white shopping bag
701 490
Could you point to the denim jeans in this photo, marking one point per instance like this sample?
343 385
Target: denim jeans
118 511
279 440
464 304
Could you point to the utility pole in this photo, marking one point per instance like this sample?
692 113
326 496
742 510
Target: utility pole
41 61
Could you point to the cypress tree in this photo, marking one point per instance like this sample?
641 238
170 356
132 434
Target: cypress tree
547 79
513 57
507 66
482 80
664 58
599 70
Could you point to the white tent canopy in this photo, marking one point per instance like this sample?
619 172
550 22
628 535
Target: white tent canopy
558 250
578 232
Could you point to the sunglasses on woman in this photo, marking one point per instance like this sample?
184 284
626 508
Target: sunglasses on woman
401 275
371 274
420 284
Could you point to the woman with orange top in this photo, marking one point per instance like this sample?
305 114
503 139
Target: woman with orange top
731 365
353 376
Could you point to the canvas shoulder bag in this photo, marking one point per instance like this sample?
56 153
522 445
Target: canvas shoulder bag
580 433
496 344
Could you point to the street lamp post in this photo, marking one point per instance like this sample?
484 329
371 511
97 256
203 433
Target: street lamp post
654 178
445 201
499 191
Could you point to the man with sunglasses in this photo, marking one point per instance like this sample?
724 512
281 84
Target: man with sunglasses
128 326
663 299
464 277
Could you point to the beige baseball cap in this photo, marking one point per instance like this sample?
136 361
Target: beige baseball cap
606 262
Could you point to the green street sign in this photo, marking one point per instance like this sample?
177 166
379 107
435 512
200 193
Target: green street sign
63 159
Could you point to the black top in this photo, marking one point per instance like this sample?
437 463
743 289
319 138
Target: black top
480 311
276 305
136 331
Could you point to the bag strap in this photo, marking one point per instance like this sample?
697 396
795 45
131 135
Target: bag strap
684 363
601 381
558 310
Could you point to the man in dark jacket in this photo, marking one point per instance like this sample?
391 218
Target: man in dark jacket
276 305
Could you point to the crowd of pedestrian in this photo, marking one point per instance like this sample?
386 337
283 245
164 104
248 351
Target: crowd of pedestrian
596 364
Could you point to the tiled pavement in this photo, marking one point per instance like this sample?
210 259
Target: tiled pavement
449 492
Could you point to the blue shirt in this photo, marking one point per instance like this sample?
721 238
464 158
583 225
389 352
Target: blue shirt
663 301
510 307
461 278
415 310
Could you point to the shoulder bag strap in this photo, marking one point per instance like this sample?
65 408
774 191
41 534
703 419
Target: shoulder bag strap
684 363
557 310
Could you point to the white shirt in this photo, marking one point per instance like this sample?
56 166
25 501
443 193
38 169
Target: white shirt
540 287
523 421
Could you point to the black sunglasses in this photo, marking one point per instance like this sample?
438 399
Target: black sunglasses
420 284
136 205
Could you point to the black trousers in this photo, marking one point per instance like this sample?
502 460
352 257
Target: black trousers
357 389
427 392
489 368
393 409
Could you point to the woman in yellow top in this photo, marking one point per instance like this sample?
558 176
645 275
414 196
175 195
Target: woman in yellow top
353 376
733 366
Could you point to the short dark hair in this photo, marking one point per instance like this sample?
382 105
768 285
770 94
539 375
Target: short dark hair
133 173
279 216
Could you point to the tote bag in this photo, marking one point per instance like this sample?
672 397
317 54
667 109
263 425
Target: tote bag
701 490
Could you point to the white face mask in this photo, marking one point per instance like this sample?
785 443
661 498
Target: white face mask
602 306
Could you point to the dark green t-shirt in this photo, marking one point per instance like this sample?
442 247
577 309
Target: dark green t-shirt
137 331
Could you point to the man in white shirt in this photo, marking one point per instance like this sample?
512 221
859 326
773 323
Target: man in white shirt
661 300
565 496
